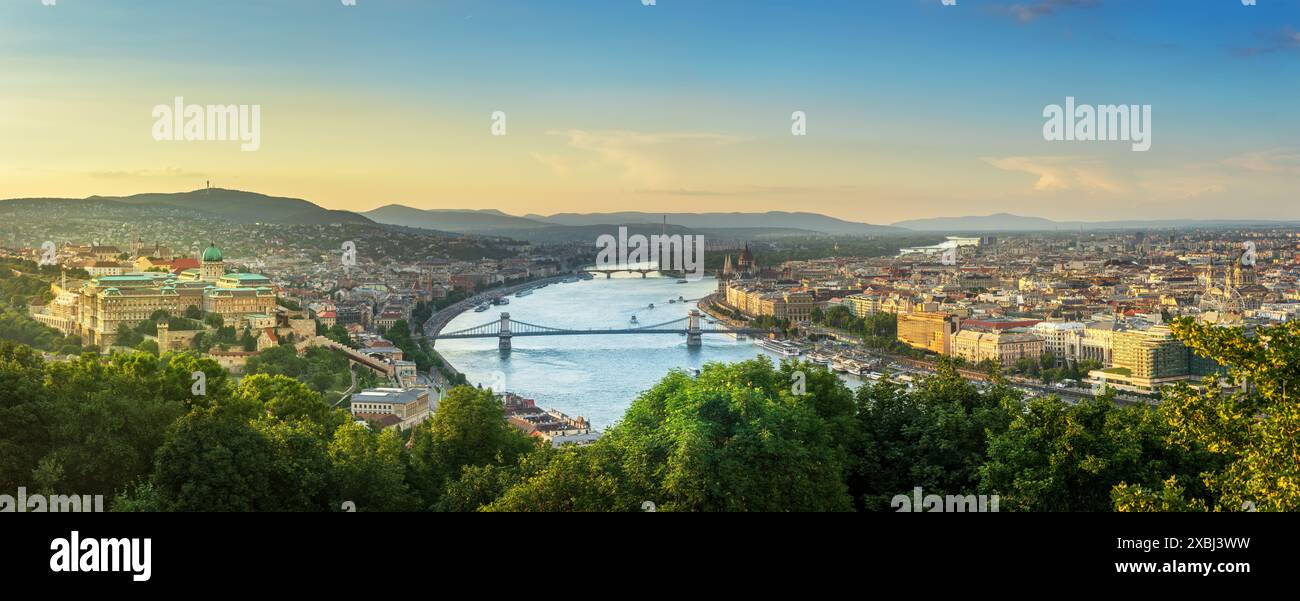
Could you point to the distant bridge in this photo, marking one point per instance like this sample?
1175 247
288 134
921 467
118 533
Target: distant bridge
504 329
642 268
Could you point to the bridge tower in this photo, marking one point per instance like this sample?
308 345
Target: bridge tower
693 336
503 336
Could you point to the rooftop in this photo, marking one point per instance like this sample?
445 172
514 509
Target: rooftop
392 396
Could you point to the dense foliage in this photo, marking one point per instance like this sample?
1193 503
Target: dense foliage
750 436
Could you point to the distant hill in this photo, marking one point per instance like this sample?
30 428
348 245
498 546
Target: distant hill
242 207
550 228
1003 222
812 222
559 234
452 220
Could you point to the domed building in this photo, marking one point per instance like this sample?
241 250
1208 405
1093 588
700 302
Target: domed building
211 269
105 304
214 265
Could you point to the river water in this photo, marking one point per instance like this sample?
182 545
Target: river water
593 376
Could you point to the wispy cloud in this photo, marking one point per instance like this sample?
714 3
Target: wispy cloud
1058 173
555 162
1026 12
1284 40
686 192
639 155
1282 161
164 173
754 191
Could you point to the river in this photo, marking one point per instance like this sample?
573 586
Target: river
593 376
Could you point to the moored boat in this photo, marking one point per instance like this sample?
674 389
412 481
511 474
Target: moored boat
780 347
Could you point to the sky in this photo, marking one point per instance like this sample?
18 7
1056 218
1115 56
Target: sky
912 109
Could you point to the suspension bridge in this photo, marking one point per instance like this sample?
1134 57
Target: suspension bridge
504 330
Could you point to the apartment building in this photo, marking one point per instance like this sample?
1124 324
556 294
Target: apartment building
928 331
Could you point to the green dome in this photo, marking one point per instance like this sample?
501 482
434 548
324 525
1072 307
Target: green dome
212 254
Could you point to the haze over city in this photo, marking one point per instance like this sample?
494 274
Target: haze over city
913 109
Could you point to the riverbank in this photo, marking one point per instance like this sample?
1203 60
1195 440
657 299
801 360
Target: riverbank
439 320
706 306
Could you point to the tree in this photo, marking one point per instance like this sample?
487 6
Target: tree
1061 457
284 398
736 438
127 337
339 334
277 361
564 480
400 335
214 460
468 429
213 320
263 449
148 346
105 418
1253 430
369 469
22 396
934 437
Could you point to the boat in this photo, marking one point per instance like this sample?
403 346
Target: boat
481 308
671 301
633 319
523 293
780 347
569 280
681 281
501 301
652 305
681 299
819 357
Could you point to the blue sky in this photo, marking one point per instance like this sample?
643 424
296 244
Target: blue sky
914 109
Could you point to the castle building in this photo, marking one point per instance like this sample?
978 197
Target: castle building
103 304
